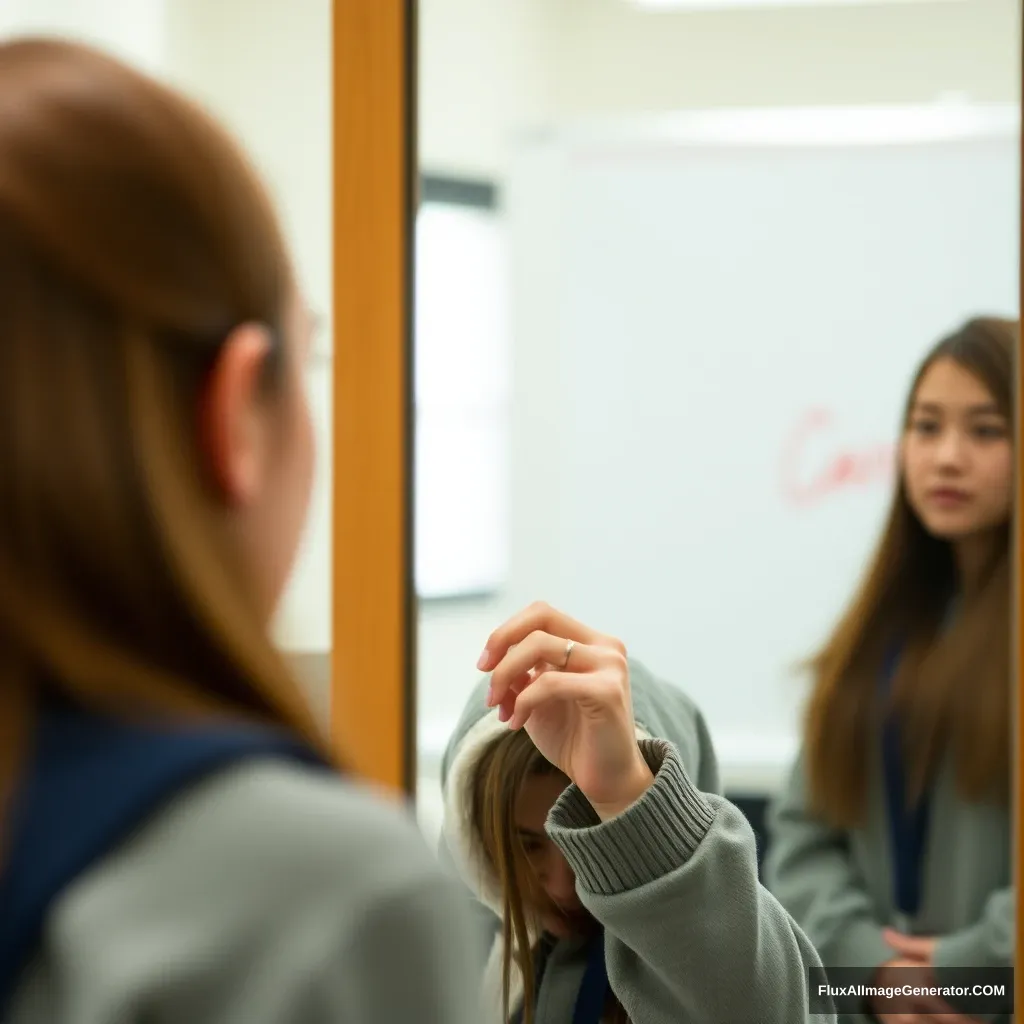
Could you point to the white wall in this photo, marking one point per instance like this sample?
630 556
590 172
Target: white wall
491 68
486 69
265 69
614 58
134 31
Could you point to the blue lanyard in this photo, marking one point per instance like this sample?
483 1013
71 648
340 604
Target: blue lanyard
908 826
593 991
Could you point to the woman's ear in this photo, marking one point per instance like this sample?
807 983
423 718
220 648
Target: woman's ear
234 434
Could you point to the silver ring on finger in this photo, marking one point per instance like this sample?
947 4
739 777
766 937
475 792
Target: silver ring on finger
569 645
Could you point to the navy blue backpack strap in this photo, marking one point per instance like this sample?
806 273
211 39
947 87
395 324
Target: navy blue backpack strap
91 782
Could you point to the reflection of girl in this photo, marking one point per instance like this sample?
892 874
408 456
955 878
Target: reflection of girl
891 844
622 891
174 845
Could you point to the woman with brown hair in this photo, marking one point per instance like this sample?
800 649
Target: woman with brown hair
176 844
891 844
581 810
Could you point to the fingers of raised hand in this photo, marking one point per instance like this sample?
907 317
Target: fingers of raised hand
543 689
541 652
542 618
600 692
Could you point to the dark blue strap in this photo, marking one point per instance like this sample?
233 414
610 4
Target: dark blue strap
908 826
90 783
593 993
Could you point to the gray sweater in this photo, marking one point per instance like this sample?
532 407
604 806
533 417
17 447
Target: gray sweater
691 937
268 894
838 883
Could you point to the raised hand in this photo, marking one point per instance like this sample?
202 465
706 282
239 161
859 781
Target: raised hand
568 686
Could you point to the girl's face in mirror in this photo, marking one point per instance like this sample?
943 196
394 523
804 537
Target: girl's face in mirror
957 455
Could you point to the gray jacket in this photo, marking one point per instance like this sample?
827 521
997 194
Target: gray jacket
838 884
267 894
690 935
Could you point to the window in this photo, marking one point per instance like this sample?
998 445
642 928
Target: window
462 391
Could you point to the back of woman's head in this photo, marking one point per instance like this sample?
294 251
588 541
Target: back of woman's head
134 242
950 632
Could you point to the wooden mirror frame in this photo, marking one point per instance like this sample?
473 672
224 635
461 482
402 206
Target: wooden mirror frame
373 703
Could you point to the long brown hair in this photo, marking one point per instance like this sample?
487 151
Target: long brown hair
506 765
952 687
133 237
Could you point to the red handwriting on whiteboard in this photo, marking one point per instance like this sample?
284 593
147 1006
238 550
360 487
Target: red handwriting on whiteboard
817 463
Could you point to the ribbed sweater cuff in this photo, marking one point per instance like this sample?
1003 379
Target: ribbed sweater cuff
653 837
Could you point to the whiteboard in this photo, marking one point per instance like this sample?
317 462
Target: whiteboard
727 317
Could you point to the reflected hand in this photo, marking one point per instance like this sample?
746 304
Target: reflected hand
911 1009
579 713
919 948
